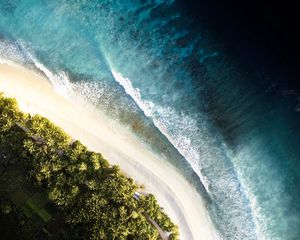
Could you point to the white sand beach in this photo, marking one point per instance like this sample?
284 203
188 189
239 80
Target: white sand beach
180 200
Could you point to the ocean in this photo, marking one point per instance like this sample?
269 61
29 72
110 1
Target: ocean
228 122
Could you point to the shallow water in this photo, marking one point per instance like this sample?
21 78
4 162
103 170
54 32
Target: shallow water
232 129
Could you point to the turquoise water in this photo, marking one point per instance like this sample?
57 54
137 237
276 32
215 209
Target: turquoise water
232 129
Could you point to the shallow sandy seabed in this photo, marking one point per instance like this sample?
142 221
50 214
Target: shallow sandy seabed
178 198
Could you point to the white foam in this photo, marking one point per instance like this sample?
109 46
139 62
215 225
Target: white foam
165 118
10 53
59 81
258 216
6 61
146 106
180 141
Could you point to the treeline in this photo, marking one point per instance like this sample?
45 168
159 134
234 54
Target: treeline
95 199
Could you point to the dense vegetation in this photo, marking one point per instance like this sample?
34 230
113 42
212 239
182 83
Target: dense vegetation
54 188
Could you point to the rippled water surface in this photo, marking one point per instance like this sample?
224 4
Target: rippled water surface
230 127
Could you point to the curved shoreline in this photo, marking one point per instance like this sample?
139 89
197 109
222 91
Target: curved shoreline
179 199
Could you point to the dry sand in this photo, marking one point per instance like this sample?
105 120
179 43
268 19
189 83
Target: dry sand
180 200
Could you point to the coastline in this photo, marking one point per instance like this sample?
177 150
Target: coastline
100 134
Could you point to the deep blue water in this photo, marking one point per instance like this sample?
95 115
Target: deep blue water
231 126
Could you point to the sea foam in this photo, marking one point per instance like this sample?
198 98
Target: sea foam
182 143
203 156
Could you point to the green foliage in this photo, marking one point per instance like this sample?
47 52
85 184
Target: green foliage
95 199
34 206
151 207
6 207
14 223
